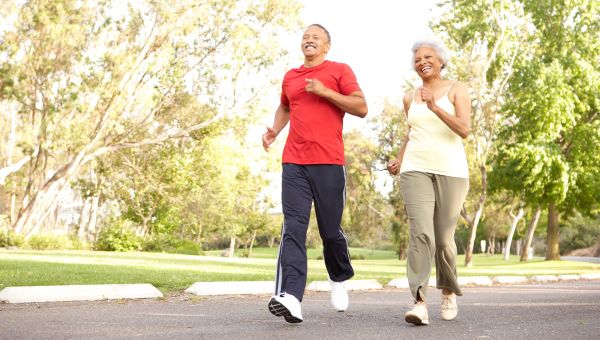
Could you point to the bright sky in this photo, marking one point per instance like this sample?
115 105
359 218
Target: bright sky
375 38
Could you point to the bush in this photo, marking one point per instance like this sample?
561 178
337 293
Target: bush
357 257
8 238
168 244
118 237
49 242
580 232
78 244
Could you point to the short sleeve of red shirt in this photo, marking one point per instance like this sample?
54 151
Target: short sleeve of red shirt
348 83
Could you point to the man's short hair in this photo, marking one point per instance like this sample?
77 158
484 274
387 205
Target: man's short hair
324 29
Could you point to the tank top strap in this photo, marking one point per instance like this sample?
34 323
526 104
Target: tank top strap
450 88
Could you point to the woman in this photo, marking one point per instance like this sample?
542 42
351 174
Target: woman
433 178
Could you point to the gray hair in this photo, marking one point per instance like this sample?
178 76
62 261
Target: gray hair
437 46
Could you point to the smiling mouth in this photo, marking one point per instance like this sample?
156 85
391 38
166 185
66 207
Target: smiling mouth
426 68
309 46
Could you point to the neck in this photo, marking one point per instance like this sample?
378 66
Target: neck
314 61
432 82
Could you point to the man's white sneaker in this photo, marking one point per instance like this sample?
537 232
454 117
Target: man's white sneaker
449 306
339 296
286 305
418 315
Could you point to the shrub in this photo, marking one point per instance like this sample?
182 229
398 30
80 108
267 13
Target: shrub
169 244
78 244
118 237
49 242
8 238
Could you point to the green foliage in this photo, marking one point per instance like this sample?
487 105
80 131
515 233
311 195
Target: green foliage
8 238
92 86
550 151
169 244
366 210
49 242
538 172
579 232
119 236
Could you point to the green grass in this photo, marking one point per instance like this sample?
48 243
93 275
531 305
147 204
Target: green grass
170 272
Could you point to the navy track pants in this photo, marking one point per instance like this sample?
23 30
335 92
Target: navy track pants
325 184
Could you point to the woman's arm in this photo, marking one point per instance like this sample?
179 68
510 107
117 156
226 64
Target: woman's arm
461 122
394 165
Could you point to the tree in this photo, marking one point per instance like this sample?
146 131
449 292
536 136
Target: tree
551 149
86 82
391 127
365 210
486 36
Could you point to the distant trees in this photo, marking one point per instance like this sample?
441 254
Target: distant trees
115 98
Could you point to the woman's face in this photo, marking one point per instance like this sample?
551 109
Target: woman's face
427 62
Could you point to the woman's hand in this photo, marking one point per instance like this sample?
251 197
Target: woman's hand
428 98
393 166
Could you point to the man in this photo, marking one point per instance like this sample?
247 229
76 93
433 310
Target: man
314 99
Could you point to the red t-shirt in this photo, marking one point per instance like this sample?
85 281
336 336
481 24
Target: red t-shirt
315 135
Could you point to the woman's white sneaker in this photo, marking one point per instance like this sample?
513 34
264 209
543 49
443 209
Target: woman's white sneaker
418 315
286 305
339 296
449 307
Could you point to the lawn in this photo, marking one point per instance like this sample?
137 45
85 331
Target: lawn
171 272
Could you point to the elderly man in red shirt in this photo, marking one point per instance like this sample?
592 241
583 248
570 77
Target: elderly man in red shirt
314 100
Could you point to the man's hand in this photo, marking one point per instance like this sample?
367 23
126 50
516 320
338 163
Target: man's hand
315 86
268 138
393 166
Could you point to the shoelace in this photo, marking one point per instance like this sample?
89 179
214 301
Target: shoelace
446 303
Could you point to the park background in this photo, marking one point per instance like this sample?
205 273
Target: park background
135 125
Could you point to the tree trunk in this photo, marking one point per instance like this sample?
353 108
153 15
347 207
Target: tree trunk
491 249
93 220
472 236
474 222
252 243
13 208
272 241
199 235
231 247
401 252
511 233
42 201
84 218
552 239
530 232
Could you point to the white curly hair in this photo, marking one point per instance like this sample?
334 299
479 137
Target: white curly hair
436 45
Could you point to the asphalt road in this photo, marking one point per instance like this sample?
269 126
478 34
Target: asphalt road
566 310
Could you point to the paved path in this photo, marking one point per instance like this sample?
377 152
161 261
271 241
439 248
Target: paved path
581 259
566 310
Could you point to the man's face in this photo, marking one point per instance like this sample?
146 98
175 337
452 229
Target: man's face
314 42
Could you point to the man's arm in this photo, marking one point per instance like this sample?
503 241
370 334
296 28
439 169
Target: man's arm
354 103
282 117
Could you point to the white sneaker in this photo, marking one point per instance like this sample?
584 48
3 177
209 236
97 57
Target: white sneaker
418 315
339 296
449 306
286 305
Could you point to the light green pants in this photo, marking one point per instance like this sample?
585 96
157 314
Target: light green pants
433 203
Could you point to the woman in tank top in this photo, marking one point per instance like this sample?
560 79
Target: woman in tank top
434 178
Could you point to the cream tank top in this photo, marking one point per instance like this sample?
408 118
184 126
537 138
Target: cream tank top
432 146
